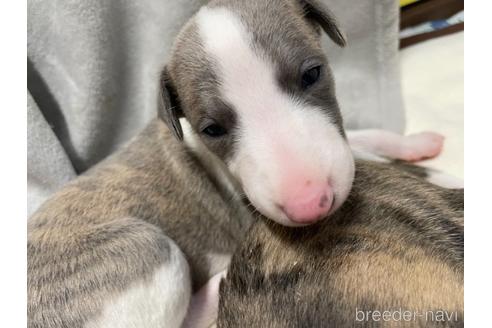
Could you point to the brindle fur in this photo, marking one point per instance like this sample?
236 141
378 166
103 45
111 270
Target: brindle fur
396 243
110 227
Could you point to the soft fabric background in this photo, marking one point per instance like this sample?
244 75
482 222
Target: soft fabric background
93 69
367 71
432 84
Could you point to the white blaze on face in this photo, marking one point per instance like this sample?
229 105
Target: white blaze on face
290 158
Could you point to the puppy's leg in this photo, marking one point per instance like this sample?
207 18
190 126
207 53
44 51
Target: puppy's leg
391 145
202 312
121 273
159 301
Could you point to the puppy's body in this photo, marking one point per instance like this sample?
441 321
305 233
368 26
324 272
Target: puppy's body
396 244
121 245
124 244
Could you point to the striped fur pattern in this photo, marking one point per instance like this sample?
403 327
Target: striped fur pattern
146 224
125 244
397 243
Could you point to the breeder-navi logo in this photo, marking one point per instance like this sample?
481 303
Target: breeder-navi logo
405 315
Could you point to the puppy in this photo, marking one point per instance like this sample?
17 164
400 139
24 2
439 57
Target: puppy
126 244
391 256
252 80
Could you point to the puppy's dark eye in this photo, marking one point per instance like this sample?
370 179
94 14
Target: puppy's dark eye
311 76
214 130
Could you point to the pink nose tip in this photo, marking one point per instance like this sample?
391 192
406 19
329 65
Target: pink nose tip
309 206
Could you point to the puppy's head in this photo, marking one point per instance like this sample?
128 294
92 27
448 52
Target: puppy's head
255 85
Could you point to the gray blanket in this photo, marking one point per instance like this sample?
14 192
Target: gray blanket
93 69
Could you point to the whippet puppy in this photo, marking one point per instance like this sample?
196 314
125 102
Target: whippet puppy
252 80
125 244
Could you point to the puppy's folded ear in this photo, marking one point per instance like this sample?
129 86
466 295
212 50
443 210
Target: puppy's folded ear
317 11
169 110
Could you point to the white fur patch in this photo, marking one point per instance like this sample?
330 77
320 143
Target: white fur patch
283 142
160 302
368 156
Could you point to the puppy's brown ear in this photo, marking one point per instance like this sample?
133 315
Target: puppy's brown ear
169 110
317 11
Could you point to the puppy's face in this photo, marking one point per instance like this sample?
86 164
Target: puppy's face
255 85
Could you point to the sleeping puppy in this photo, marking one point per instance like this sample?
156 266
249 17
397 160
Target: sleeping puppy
127 243
391 256
252 80
253 85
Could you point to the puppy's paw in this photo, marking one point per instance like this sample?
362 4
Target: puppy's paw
202 311
420 146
